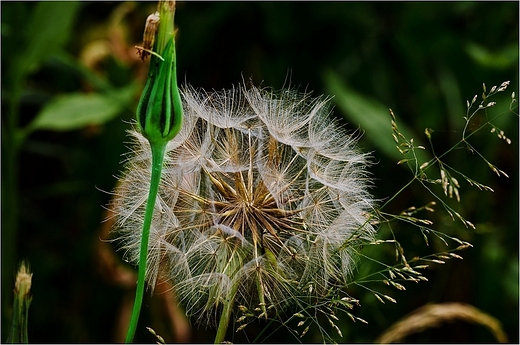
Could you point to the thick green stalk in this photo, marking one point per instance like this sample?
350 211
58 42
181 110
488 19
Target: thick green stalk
226 314
159 118
157 161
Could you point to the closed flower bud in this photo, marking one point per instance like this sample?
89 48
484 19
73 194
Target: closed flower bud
159 112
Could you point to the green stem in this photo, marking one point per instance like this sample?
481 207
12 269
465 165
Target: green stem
11 143
226 314
158 150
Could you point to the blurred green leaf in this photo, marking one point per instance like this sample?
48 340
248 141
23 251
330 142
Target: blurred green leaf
511 280
502 59
48 29
76 110
373 117
99 82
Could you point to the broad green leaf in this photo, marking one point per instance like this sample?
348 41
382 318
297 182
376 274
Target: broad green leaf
372 117
47 30
77 110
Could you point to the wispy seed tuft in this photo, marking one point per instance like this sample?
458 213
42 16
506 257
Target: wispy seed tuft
263 198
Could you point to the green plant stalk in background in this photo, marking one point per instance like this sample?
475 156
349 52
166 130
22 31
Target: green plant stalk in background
159 118
39 42
46 31
226 315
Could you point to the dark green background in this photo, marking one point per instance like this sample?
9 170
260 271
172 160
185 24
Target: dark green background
422 59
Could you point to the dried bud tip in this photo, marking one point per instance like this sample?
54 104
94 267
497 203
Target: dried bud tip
23 281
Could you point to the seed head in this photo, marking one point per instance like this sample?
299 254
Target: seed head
261 193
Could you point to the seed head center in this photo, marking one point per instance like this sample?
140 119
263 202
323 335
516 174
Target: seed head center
249 207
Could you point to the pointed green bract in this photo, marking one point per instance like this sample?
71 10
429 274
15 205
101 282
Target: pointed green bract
159 112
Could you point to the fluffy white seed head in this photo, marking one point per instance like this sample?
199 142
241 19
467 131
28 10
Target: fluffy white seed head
261 193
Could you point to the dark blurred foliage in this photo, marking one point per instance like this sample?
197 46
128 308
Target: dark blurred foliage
422 59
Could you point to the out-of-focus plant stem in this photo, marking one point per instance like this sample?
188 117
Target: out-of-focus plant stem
12 138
